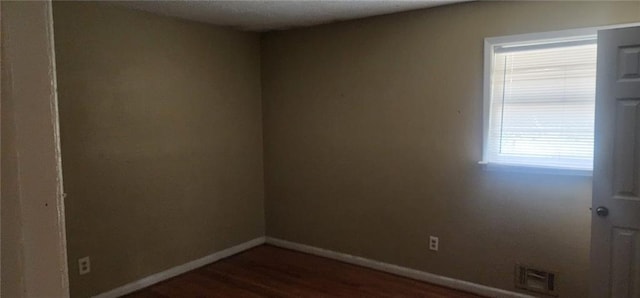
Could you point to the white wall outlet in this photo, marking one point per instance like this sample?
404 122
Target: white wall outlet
84 265
433 243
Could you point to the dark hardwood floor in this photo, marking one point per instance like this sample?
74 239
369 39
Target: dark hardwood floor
268 271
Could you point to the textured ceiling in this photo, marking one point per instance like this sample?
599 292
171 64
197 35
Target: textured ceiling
265 15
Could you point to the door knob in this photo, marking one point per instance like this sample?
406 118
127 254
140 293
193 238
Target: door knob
602 211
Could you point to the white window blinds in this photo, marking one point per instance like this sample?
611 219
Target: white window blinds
542 105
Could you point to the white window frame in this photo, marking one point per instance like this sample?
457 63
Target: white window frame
490 44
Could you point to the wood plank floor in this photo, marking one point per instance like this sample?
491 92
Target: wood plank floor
268 271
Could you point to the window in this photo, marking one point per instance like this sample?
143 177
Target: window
540 102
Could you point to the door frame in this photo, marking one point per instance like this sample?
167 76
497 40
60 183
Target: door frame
29 58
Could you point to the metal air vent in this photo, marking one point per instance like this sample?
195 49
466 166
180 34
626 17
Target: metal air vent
536 280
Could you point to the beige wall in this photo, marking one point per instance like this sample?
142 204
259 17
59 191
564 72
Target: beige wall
11 273
372 137
373 133
161 139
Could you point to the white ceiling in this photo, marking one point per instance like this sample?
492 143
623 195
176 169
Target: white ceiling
265 15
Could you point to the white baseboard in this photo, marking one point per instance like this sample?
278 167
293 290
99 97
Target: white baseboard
364 262
175 271
398 270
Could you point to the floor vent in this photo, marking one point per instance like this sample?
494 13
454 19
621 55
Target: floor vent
536 280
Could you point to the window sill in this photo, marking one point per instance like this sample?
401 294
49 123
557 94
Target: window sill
510 168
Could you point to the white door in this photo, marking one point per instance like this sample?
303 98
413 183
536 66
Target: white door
615 225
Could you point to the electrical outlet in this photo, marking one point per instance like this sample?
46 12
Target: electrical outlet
433 243
84 265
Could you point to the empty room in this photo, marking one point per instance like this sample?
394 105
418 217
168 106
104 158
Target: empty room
309 148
